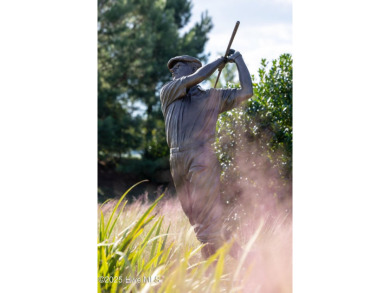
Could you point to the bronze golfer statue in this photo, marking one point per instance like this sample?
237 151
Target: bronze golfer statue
191 114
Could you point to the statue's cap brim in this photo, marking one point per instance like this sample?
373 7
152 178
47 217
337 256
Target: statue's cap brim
184 58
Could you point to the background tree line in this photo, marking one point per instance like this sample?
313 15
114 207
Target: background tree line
136 38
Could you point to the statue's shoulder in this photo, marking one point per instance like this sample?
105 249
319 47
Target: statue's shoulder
172 86
166 86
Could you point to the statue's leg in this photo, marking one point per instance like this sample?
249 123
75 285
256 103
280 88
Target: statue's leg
198 191
196 178
179 173
206 205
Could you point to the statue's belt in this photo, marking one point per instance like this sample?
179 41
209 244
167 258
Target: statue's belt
190 147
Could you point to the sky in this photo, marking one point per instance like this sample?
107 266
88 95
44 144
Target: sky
265 28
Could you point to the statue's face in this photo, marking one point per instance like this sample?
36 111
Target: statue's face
183 69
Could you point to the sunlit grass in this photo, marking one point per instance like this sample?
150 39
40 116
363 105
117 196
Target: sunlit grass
151 247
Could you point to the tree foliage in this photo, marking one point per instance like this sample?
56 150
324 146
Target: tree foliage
136 38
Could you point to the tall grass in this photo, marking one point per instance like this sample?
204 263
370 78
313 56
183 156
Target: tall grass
151 247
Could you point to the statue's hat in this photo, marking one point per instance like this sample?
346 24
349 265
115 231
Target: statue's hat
183 58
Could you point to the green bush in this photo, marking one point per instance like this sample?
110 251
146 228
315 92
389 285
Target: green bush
254 141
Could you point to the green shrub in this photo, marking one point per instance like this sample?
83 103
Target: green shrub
254 141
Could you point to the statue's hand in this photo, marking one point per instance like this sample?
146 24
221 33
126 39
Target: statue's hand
231 52
232 57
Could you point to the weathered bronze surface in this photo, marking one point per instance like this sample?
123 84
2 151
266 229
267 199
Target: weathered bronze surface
191 115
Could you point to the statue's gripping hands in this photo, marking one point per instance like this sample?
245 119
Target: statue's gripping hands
191 115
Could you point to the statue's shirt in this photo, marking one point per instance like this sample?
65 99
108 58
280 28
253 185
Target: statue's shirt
191 115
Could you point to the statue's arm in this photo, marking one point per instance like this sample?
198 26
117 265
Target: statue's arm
232 98
246 90
203 73
178 87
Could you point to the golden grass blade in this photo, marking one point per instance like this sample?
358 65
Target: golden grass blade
116 219
149 264
120 200
101 228
158 236
142 247
104 203
165 241
144 242
164 257
99 287
246 251
196 250
155 241
104 266
115 283
220 265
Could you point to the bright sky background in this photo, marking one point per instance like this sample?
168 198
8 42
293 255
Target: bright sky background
265 29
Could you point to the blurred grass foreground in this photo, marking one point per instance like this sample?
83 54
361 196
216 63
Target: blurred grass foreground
151 247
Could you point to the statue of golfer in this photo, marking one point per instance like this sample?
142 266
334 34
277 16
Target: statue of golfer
191 114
